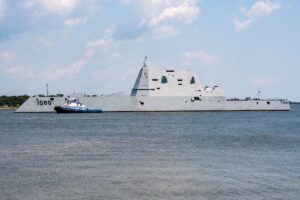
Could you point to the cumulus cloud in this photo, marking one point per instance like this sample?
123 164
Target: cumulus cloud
74 21
54 6
165 31
100 44
123 74
59 5
147 2
202 56
185 11
47 73
259 9
161 15
7 56
159 11
18 16
110 31
45 42
263 8
71 71
242 25
20 71
2 8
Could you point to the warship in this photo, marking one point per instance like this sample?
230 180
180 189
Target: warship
161 90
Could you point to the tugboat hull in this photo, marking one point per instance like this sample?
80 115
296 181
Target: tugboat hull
61 109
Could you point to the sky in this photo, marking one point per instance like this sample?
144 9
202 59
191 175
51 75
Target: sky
98 46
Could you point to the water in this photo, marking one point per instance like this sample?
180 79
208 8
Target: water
199 155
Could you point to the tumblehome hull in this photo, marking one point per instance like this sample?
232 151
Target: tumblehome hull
155 104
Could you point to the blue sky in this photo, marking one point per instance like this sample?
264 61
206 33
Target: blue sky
98 46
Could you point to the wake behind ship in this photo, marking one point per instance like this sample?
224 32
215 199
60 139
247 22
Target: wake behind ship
162 90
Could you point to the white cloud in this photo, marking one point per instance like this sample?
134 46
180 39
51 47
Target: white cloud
71 71
28 3
185 11
165 31
20 71
2 8
202 56
114 55
101 44
242 25
263 8
50 73
259 9
59 6
123 74
163 18
146 2
156 12
110 31
142 23
53 6
45 42
74 22
7 56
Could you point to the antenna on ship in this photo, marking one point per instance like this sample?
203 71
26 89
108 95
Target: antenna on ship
145 62
258 93
47 89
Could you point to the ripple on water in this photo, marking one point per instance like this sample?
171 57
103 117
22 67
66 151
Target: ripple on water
206 155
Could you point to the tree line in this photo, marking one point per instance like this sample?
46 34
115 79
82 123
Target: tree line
12 101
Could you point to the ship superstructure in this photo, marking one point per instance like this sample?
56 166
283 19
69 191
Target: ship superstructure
162 90
171 83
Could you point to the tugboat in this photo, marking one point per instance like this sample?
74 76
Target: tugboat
74 106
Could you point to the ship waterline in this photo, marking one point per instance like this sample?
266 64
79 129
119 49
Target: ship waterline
162 90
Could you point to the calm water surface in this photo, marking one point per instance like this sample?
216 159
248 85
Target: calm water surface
200 155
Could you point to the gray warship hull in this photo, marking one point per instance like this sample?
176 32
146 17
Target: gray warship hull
156 104
162 90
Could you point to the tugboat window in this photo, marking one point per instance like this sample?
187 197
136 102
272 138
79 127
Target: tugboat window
192 80
164 79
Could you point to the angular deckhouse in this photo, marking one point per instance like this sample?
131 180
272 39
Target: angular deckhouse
170 82
162 90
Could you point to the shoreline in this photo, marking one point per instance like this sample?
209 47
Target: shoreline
7 108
